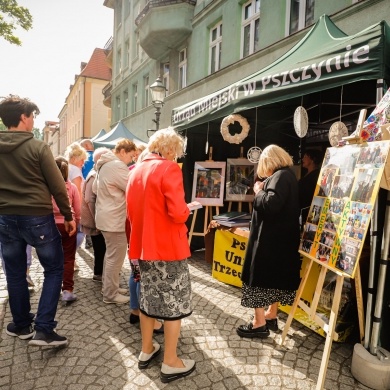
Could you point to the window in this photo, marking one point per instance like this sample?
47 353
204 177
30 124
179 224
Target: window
125 103
183 69
118 9
117 107
127 54
146 91
119 61
137 44
301 14
135 96
215 48
250 27
166 77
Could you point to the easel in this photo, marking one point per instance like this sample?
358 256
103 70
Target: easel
239 203
329 328
311 311
208 213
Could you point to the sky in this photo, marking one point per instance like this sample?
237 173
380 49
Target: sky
64 34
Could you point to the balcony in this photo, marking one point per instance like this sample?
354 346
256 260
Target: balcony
108 51
107 94
164 24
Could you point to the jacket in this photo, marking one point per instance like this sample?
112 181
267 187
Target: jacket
74 199
110 187
88 202
157 211
29 177
272 260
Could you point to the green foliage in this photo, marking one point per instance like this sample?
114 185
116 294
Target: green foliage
2 126
37 133
11 15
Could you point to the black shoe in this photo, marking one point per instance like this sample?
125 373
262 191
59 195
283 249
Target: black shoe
43 339
250 332
23 333
272 324
169 374
159 330
133 319
144 359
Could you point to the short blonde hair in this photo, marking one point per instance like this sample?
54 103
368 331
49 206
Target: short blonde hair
166 140
75 152
273 158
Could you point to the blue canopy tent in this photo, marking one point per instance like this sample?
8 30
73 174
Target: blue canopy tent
99 134
110 139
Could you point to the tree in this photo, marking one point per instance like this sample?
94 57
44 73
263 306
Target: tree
2 126
37 133
11 15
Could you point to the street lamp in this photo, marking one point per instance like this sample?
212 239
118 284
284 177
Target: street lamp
157 90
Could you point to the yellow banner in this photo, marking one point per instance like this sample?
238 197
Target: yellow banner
228 258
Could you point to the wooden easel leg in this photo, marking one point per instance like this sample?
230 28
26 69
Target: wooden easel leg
330 332
317 293
192 226
296 301
359 300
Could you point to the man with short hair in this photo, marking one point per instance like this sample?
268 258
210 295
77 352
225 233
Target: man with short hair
29 179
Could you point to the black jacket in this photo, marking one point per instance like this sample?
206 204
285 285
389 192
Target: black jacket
272 258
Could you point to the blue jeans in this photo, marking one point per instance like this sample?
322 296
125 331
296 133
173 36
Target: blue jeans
134 293
16 231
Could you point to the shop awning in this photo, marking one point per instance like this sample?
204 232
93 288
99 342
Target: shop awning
325 58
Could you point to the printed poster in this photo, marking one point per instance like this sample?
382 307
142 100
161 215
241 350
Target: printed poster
342 205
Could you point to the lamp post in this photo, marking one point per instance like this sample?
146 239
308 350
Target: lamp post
157 90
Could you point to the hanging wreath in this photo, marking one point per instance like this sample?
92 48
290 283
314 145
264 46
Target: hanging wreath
238 137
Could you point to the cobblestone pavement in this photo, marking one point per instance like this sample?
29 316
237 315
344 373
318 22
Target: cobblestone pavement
103 346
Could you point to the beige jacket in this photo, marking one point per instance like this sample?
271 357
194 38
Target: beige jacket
110 187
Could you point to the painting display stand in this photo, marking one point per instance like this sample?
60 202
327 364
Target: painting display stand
208 216
239 206
329 328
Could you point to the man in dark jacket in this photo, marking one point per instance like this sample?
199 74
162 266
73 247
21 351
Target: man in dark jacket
29 178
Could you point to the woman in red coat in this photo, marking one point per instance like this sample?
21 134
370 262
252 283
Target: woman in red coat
157 213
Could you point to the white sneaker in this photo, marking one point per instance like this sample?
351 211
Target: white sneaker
169 374
123 291
68 296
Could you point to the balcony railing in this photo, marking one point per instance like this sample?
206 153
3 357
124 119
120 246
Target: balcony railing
107 90
159 3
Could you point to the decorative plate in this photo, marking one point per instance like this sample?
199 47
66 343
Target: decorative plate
254 154
301 121
336 132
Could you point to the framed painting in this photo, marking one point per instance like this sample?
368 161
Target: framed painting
240 180
209 183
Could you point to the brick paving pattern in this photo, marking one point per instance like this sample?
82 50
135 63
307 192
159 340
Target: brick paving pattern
103 347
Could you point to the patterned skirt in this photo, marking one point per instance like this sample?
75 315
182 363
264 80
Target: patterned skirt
254 297
165 289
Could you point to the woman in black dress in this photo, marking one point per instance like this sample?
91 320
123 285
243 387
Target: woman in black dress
272 263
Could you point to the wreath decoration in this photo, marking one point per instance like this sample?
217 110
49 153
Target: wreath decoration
238 137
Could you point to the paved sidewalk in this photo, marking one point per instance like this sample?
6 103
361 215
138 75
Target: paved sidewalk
103 346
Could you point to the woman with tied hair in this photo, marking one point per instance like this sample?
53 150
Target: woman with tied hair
109 187
271 270
68 242
76 156
157 213
88 223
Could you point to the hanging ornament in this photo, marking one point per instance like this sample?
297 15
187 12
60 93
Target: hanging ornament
236 138
254 152
207 142
301 121
338 130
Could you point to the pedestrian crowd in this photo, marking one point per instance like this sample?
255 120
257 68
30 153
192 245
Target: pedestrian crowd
130 202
